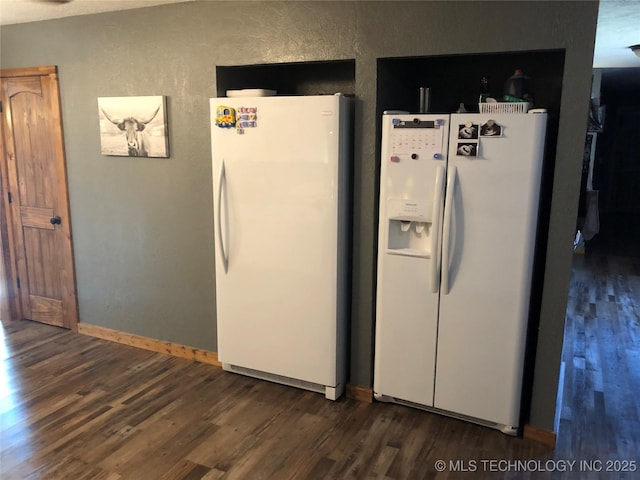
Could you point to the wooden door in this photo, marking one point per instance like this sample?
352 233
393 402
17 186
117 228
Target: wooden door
41 273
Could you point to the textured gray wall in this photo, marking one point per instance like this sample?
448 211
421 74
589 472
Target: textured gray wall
143 228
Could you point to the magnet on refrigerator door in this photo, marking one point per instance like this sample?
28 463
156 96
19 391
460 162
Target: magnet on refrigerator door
467 149
225 117
246 117
468 131
490 129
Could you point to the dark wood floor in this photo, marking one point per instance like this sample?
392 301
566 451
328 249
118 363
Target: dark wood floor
75 407
600 413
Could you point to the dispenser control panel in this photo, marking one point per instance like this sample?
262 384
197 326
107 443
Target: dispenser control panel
401 209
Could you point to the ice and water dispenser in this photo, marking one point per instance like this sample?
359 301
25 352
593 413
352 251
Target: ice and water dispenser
414 150
409 228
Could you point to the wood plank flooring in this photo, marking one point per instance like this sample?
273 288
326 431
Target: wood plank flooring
77 407
600 413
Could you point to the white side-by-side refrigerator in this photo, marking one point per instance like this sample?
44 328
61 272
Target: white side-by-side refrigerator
281 205
459 201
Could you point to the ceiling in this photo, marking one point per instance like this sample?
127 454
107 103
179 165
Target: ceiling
618 29
22 11
618 22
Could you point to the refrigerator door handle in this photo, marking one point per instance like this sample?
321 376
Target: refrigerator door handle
222 181
436 231
446 235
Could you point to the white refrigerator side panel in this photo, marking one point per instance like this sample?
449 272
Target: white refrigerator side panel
483 318
407 302
276 305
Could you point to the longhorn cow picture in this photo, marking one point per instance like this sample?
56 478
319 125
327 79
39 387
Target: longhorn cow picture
133 126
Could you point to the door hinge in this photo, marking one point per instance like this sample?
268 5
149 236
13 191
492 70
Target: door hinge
19 282
10 198
0 107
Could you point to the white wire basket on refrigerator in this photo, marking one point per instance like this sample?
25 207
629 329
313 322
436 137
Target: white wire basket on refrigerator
504 107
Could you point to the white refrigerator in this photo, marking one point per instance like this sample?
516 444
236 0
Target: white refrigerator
281 205
459 201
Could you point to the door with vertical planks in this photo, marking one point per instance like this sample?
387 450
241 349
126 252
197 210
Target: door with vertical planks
41 272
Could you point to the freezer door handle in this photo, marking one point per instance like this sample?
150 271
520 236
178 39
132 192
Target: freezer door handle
436 230
222 182
446 235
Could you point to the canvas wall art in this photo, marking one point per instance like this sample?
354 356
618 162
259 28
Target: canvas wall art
133 126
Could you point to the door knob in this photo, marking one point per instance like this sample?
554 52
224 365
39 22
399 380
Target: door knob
56 220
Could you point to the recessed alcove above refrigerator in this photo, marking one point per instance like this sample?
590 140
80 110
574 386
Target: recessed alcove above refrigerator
456 79
296 78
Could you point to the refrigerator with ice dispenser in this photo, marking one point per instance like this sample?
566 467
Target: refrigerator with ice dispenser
458 215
